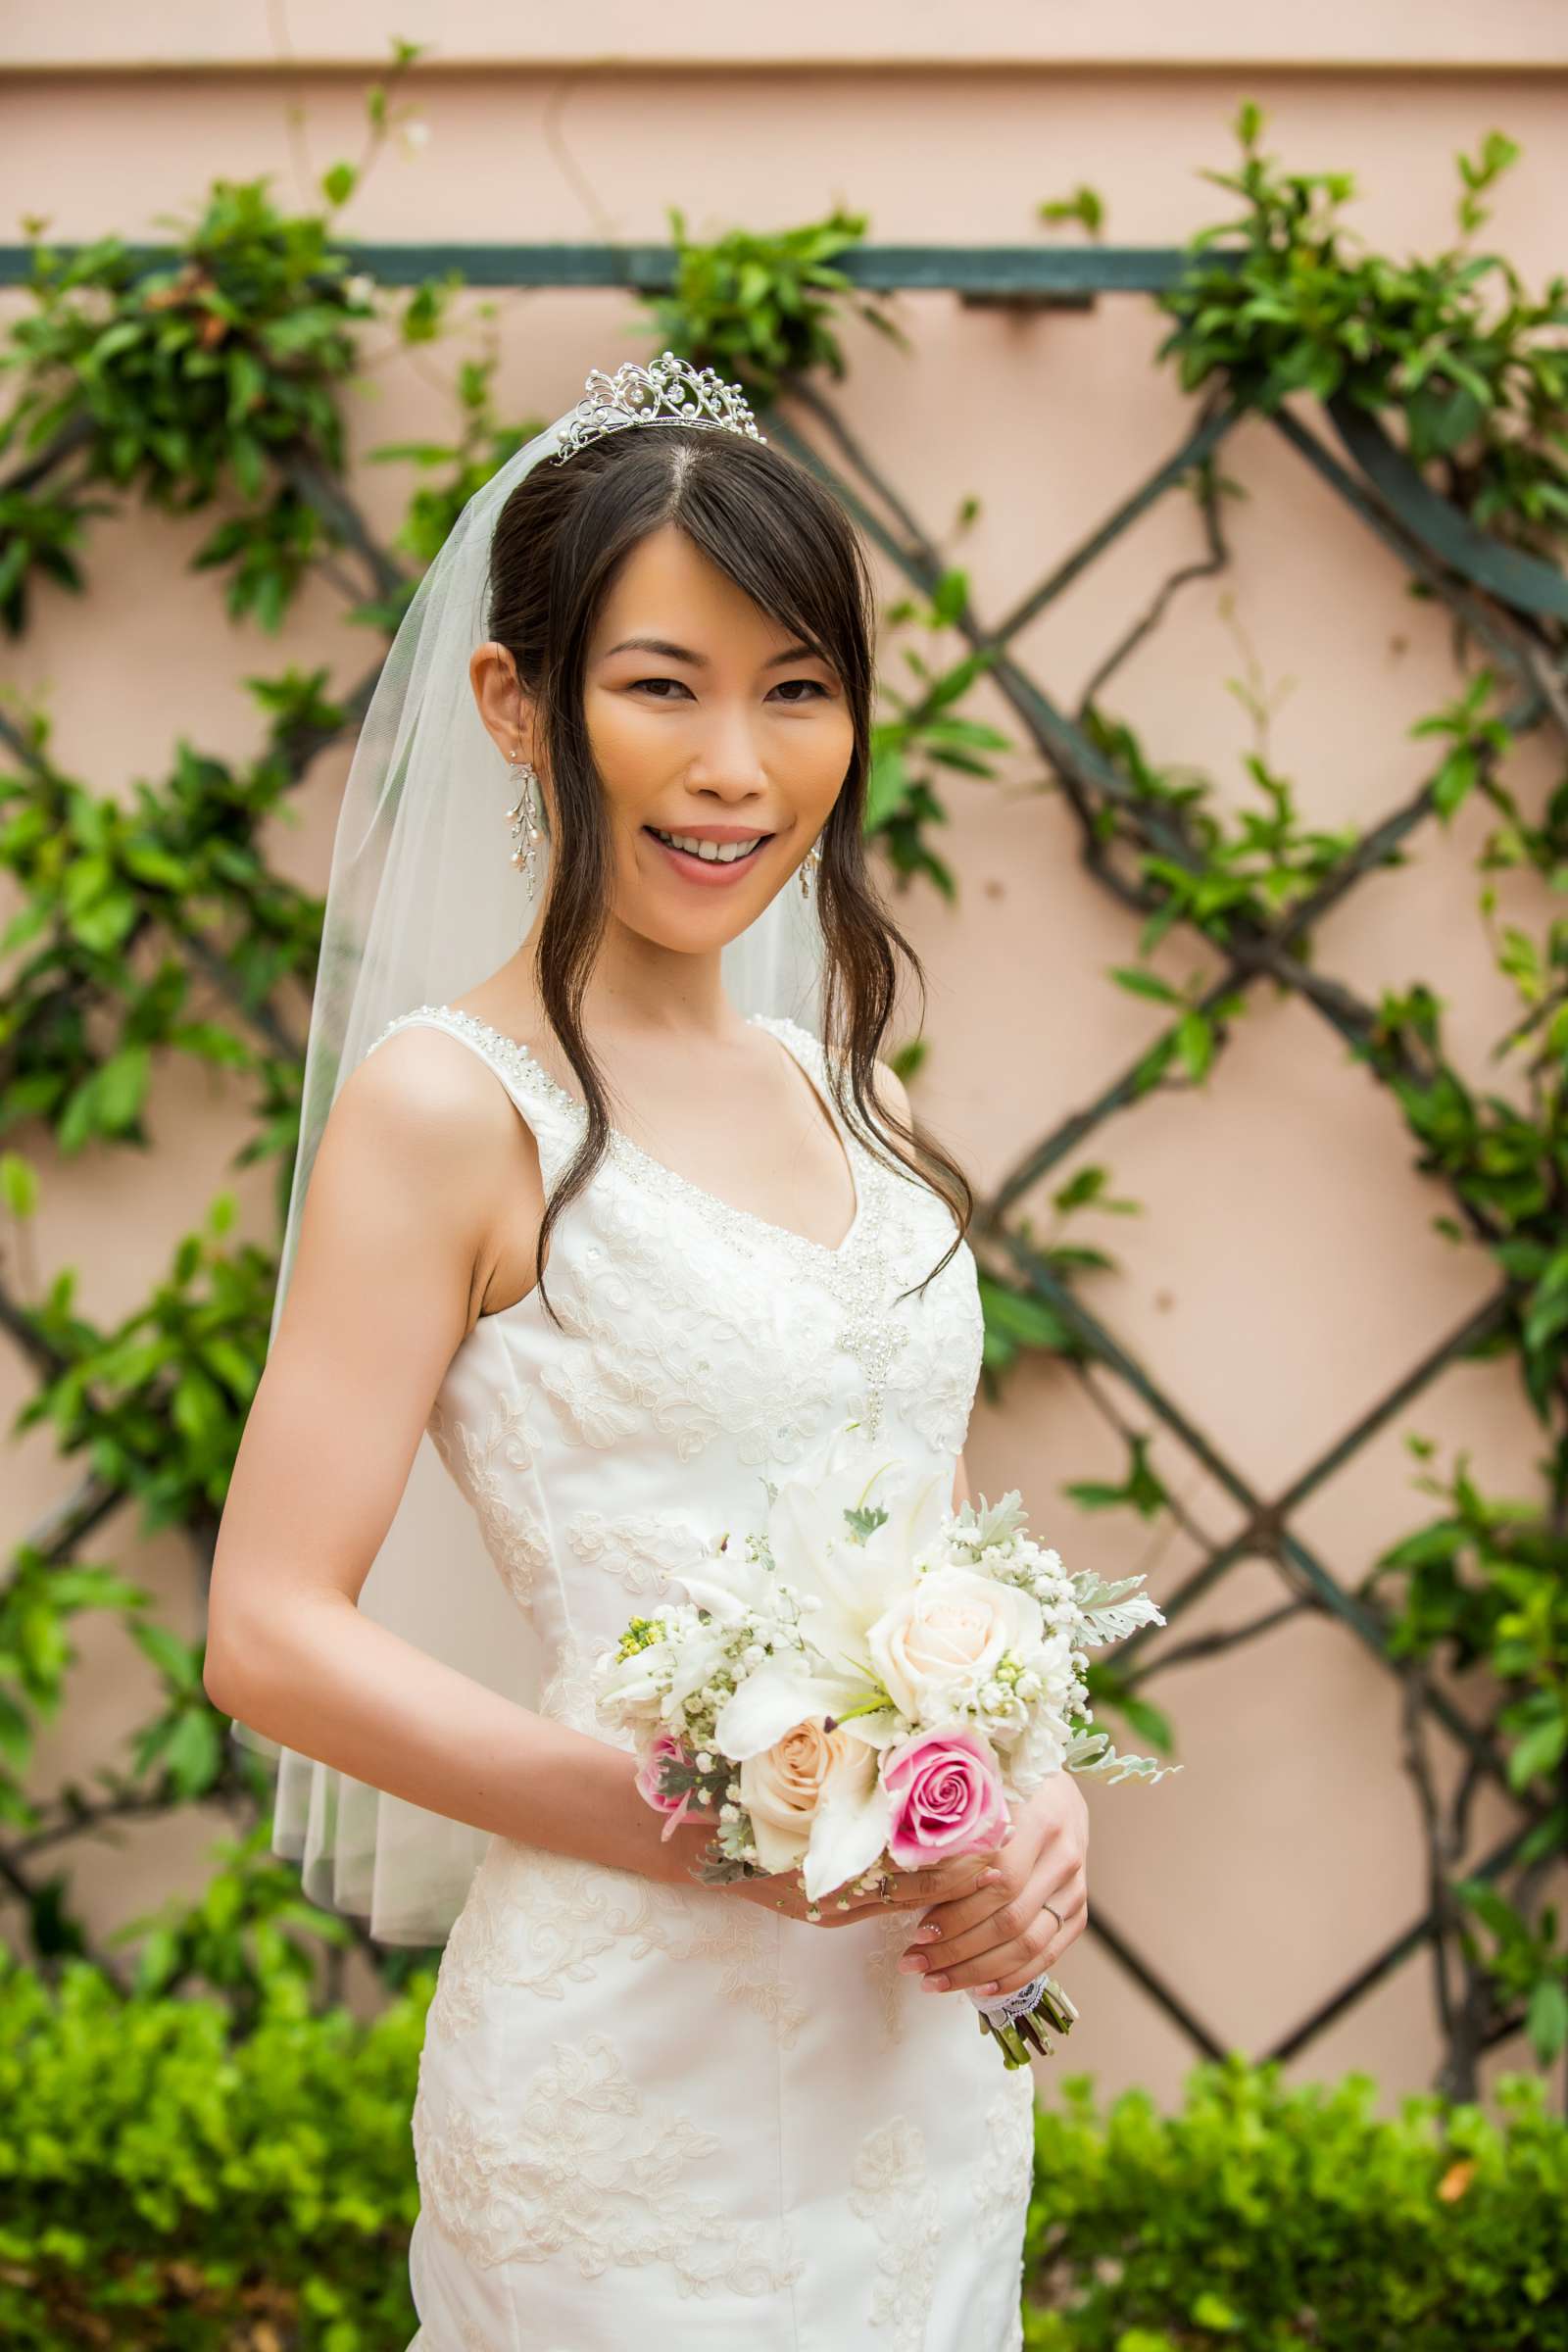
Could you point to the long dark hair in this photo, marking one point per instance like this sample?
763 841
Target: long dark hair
778 534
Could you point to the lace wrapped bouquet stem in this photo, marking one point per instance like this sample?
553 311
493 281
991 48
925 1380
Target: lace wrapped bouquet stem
868 1682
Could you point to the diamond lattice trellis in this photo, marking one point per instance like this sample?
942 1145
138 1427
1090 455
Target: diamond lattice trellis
1488 589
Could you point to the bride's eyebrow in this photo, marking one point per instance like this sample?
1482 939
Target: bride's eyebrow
681 653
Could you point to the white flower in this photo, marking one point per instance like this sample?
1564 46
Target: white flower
846 1582
814 1799
946 1637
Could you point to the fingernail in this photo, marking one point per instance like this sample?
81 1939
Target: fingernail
929 1930
982 1988
988 1877
912 1965
934 1983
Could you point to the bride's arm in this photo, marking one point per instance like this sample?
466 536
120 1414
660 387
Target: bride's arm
393 1256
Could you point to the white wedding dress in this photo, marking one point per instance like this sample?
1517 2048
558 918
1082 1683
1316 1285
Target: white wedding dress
655 2118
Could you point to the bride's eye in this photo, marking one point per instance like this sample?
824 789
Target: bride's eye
644 686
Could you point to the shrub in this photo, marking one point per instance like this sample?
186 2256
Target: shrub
1269 2218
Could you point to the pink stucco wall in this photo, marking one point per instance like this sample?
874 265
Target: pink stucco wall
1284 1271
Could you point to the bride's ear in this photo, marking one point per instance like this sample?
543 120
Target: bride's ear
503 704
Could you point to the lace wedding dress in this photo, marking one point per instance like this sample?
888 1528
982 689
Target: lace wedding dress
655 2116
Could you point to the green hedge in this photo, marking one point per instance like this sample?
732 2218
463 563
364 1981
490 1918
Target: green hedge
162 2184
1270 2218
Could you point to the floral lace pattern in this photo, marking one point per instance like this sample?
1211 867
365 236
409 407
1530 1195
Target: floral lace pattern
641 1549
889 1941
1000 2184
932 1383
567 1694
891 2192
536 1922
587 2168
515 1537
642 1352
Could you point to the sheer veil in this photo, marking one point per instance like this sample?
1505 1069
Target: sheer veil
423 902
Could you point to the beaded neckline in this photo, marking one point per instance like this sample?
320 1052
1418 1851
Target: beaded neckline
740 1223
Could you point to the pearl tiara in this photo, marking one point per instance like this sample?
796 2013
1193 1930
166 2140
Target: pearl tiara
667 391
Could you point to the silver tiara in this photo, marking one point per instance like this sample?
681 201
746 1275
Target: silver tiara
667 391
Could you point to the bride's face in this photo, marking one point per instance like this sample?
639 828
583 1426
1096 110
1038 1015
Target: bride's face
716 727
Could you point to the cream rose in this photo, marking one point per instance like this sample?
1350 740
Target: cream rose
951 1630
783 1788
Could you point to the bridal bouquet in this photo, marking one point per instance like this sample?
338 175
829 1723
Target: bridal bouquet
866 1685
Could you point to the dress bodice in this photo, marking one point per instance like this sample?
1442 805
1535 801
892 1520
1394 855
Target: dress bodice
700 1353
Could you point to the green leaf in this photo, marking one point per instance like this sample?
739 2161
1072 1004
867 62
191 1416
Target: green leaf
1195 1043
1140 983
18 1183
1547 2018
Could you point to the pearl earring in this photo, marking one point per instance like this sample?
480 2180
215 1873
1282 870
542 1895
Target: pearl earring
525 832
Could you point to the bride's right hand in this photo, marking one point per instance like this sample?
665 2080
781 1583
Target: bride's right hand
786 1890
907 1890
679 1858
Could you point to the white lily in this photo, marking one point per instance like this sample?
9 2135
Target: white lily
854 1581
852 1823
727 1583
782 1692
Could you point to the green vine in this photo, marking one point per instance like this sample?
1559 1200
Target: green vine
156 926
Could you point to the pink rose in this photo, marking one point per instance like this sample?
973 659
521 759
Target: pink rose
665 1748
945 1793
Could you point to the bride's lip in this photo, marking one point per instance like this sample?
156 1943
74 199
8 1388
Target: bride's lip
713 872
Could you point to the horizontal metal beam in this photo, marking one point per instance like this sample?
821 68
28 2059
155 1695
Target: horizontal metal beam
972 269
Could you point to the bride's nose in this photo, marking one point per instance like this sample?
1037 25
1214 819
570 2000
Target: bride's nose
727 755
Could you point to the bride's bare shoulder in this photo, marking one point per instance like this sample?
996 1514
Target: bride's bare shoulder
420 1083
424 1117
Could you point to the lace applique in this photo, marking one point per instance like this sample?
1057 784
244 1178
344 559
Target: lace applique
592 1394
1001 2183
889 1941
891 2192
585 2167
536 1920
567 1693
641 1549
932 1382
516 1538
644 1342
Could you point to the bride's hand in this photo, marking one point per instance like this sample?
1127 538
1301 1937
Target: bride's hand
907 1890
676 1860
1000 1935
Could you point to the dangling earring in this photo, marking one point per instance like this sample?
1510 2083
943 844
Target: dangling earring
810 863
525 832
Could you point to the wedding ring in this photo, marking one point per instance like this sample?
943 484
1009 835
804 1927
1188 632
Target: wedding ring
1054 1913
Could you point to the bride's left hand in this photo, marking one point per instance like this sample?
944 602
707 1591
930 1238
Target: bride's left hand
1000 1936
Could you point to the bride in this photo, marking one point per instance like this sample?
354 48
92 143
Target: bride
593 1206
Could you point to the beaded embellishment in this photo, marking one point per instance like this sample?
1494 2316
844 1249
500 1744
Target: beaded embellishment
857 1271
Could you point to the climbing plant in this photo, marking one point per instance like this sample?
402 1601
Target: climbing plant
210 373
